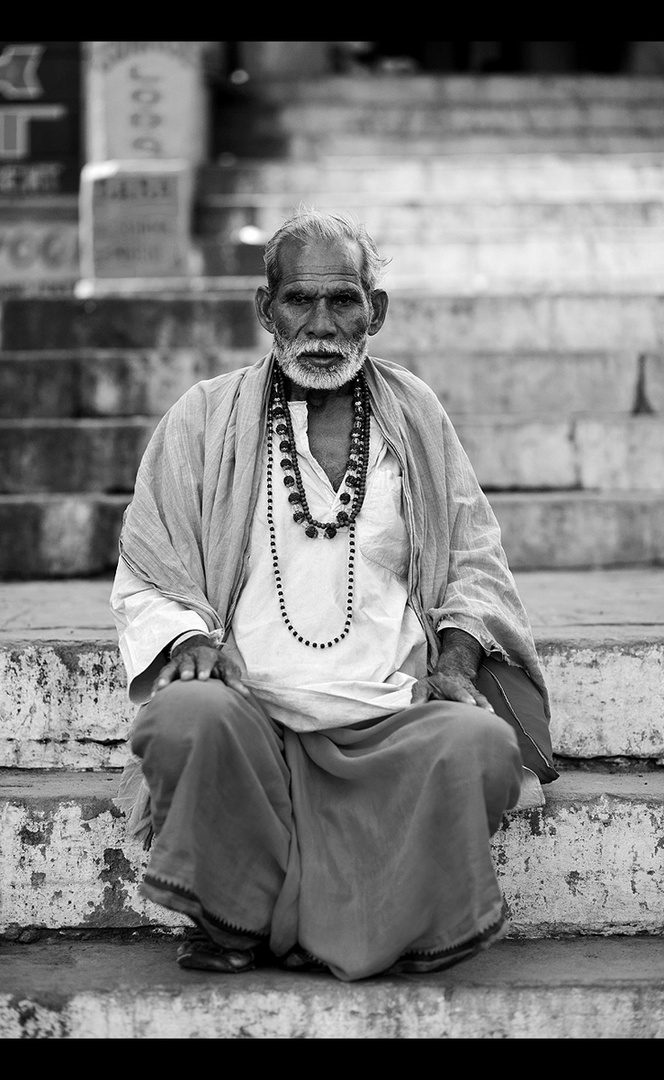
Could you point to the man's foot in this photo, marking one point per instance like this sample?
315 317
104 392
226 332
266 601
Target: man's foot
201 953
423 963
300 960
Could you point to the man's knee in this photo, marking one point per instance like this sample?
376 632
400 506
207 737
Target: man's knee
470 732
186 713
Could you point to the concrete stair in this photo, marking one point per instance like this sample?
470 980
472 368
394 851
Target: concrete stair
525 219
466 223
582 876
131 989
378 115
571 458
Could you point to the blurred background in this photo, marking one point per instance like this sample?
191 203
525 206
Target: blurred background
516 186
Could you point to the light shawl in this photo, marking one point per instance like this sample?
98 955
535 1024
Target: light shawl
186 531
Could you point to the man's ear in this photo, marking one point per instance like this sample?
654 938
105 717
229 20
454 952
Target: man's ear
379 304
263 302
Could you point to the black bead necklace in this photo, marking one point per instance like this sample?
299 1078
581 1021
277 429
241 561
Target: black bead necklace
279 422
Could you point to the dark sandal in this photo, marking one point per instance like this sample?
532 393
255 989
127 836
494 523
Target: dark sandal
300 960
200 953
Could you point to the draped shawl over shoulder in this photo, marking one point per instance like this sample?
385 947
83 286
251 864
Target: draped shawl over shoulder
186 531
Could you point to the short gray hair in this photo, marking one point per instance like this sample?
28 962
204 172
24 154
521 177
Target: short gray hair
308 224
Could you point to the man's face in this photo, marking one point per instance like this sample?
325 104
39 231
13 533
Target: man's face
320 315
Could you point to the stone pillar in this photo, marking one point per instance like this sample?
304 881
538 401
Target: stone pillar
147 122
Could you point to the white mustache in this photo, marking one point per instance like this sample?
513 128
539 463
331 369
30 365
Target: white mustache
321 350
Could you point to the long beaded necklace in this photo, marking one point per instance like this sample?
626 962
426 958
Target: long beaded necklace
279 422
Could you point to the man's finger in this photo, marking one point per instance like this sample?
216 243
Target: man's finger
232 678
166 676
237 684
464 696
205 668
484 703
450 689
470 697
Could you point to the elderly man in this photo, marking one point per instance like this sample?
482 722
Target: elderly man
340 695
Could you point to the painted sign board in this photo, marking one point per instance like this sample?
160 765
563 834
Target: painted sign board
39 247
146 100
40 117
135 219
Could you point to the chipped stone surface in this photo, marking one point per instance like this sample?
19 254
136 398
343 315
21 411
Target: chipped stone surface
63 704
64 847
63 700
587 988
592 860
606 699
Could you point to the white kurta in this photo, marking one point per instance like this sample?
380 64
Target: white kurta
371 672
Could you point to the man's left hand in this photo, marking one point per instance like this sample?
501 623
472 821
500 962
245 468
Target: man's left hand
455 673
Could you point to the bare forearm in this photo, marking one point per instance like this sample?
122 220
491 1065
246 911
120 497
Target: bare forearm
455 674
460 650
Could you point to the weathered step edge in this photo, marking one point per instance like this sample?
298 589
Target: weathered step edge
51 536
586 989
590 861
64 704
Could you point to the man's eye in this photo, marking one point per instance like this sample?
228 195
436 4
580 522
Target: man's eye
298 298
343 299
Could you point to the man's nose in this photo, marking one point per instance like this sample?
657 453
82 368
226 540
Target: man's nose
320 322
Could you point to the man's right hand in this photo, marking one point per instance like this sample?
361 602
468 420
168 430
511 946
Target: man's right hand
195 658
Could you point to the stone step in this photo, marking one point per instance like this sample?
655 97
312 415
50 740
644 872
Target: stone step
46 535
437 218
565 383
586 261
375 182
533 452
418 321
82 455
107 382
451 91
64 704
576 529
588 988
486 135
434 117
471 258
590 861
543 452
208 323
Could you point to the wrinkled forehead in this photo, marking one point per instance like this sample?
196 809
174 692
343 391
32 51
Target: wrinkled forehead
338 260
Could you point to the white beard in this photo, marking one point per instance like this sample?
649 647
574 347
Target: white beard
292 359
